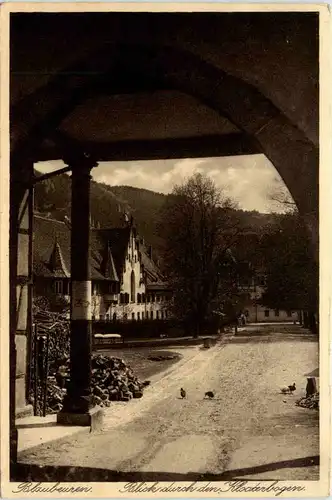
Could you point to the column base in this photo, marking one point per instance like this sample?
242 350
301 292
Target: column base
93 418
26 411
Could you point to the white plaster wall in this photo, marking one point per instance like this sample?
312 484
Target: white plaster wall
132 264
102 310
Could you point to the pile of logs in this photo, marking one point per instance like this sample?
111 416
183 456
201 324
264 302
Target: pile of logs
112 380
311 402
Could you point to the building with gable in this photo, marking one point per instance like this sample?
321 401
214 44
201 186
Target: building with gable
126 282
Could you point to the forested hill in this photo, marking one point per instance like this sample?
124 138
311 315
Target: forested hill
110 203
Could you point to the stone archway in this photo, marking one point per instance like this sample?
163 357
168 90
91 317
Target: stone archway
147 68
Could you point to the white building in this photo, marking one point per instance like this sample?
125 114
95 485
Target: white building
126 282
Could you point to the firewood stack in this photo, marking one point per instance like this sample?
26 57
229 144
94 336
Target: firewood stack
112 379
311 402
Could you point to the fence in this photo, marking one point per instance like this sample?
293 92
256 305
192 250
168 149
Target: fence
40 347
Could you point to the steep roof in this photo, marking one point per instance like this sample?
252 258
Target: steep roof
117 239
108 252
57 263
51 251
154 278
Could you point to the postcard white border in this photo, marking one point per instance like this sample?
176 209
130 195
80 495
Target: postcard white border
312 488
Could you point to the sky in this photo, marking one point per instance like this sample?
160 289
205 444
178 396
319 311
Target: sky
248 180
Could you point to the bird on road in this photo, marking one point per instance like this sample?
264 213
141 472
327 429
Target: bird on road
209 394
183 393
289 389
285 390
292 388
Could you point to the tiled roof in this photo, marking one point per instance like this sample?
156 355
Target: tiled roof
108 252
57 263
52 246
117 239
153 274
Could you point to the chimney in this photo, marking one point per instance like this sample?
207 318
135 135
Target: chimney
150 252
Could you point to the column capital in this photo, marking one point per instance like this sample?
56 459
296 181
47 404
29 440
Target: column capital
80 161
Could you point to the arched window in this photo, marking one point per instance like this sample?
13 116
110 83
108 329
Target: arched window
114 316
151 314
132 287
139 298
132 316
138 316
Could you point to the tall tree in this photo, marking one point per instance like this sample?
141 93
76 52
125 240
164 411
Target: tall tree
199 229
292 273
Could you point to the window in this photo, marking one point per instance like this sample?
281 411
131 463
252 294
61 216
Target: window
165 314
139 298
151 314
125 316
276 312
132 287
157 314
138 316
101 317
132 316
58 286
142 315
135 258
289 313
114 316
162 314
107 317
266 313
93 317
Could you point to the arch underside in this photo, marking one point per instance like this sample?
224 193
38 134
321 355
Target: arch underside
37 131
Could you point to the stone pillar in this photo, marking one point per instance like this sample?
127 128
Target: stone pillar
78 407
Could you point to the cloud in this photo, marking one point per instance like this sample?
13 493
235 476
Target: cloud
248 180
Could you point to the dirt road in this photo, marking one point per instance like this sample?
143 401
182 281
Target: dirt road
248 430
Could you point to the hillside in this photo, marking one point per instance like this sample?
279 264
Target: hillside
110 203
